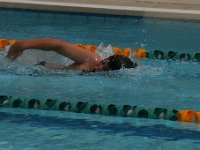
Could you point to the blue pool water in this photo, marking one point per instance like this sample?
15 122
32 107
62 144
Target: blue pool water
171 84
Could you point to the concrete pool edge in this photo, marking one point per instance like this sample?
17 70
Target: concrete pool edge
121 8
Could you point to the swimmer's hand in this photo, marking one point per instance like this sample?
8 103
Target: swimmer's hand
15 51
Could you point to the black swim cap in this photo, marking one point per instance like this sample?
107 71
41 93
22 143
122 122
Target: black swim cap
116 62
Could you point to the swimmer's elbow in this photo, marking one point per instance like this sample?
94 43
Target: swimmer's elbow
60 48
56 45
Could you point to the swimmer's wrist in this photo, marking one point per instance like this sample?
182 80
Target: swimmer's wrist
18 46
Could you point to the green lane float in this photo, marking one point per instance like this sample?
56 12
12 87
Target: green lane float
172 55
101 109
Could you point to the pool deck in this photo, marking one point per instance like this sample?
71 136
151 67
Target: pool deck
174 9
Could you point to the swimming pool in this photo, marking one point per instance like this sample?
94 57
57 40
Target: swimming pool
155 83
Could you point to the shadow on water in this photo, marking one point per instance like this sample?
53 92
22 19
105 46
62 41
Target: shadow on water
125 129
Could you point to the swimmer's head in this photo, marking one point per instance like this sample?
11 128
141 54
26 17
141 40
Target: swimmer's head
114 62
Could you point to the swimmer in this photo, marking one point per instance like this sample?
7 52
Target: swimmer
84 60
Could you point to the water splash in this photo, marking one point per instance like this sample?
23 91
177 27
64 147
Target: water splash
104 51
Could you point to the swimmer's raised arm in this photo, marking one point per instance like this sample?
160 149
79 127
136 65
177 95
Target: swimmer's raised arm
75 53
84 60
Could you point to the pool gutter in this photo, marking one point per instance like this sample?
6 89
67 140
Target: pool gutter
183 9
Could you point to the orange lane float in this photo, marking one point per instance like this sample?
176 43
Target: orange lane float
187 116
3 44
91 48
140 53
124 52
11 42
116 51
198 117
